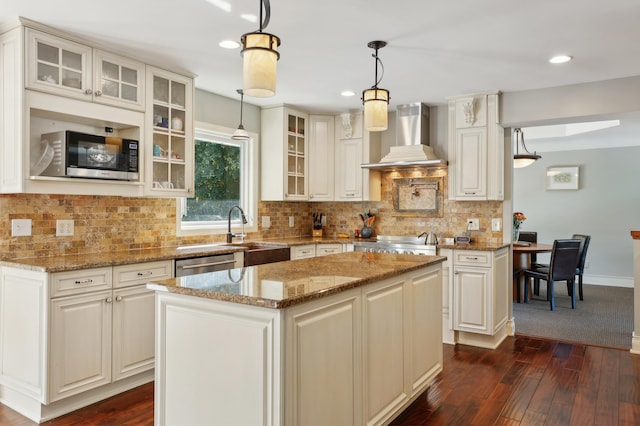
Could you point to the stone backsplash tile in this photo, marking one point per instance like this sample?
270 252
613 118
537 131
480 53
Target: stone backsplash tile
105 223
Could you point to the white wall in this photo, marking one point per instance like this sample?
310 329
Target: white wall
607 207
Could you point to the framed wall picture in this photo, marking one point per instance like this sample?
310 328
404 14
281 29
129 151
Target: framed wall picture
563 178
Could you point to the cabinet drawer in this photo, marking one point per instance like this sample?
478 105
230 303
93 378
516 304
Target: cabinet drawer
141 273
81 281
325 249
472 258
303 252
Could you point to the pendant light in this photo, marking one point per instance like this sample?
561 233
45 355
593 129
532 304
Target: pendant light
260 58
375 100
240 133
526 159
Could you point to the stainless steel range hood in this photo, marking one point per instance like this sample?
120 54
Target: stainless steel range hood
412 148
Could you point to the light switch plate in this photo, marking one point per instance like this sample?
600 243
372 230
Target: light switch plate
291 222
473 224
64 228
20 227
266 221
496 225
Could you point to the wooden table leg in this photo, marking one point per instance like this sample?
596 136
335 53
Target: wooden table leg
521 261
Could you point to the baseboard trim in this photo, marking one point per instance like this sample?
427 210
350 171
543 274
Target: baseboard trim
608 281
635 344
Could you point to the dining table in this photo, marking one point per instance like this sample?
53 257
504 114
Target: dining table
522 260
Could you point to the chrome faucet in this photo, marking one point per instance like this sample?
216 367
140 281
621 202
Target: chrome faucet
244 221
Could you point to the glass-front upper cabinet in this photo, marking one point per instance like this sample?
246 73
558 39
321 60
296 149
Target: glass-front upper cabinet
58 65
118 81
170 134
63 67
284 154
296 156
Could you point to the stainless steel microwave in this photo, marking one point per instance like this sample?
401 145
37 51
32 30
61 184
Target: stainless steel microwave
75 154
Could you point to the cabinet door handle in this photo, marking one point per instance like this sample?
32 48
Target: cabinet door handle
87 281
88 92
109 300
118 298
145 274
471 258
98 93
469 193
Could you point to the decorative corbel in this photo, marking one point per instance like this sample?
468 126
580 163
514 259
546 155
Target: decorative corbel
346 125
469 113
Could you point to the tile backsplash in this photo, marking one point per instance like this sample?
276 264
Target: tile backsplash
107 223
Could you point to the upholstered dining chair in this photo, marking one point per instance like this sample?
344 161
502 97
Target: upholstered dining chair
582 256
530 237
562 267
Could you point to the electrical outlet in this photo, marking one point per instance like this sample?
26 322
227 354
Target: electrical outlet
64 228
266 221
20 227
291 222
496 225
473 224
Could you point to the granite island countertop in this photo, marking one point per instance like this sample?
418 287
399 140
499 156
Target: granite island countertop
283 284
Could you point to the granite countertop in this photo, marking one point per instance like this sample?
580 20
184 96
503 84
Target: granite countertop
97 260
283 284
475 246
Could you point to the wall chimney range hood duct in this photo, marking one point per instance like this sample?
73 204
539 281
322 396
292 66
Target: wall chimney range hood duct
412 150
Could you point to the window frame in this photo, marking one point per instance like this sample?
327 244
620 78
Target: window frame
249 185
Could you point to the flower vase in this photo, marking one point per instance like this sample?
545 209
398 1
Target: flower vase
516 234
366 232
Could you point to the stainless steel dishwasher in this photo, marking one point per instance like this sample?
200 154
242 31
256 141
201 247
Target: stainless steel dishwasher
199 265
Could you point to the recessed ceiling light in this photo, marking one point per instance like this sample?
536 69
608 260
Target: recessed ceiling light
347 93
560 59
229 44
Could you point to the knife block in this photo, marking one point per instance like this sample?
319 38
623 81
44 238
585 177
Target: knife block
316 233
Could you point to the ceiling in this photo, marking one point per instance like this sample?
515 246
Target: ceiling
436 48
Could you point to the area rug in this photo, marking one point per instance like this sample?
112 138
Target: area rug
603 318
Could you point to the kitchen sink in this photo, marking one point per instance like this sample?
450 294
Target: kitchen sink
261 253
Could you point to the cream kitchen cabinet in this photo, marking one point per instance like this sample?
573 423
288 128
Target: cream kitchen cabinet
321 147
327 249
169 123
476 148
354 146
480 296
72 338
64 67
284 154
303 252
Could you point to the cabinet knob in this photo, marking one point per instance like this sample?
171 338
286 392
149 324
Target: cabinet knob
109 300
98 93
88 91
118 298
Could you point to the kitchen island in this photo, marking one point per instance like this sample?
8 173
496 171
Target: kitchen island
351 339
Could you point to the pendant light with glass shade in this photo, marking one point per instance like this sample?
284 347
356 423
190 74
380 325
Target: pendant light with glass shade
240 133
526 159
375 99
260 58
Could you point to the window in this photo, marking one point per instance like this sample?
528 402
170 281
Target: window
225 175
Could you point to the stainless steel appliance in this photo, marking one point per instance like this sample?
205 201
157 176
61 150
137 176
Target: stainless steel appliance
397 245
200 265
83 155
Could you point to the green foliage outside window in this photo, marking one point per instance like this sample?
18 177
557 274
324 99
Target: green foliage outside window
217 181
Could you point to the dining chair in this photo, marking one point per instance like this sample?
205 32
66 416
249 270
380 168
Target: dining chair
562 267
530 237
582 256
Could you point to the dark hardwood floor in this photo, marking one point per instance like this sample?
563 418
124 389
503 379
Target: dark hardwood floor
526 381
